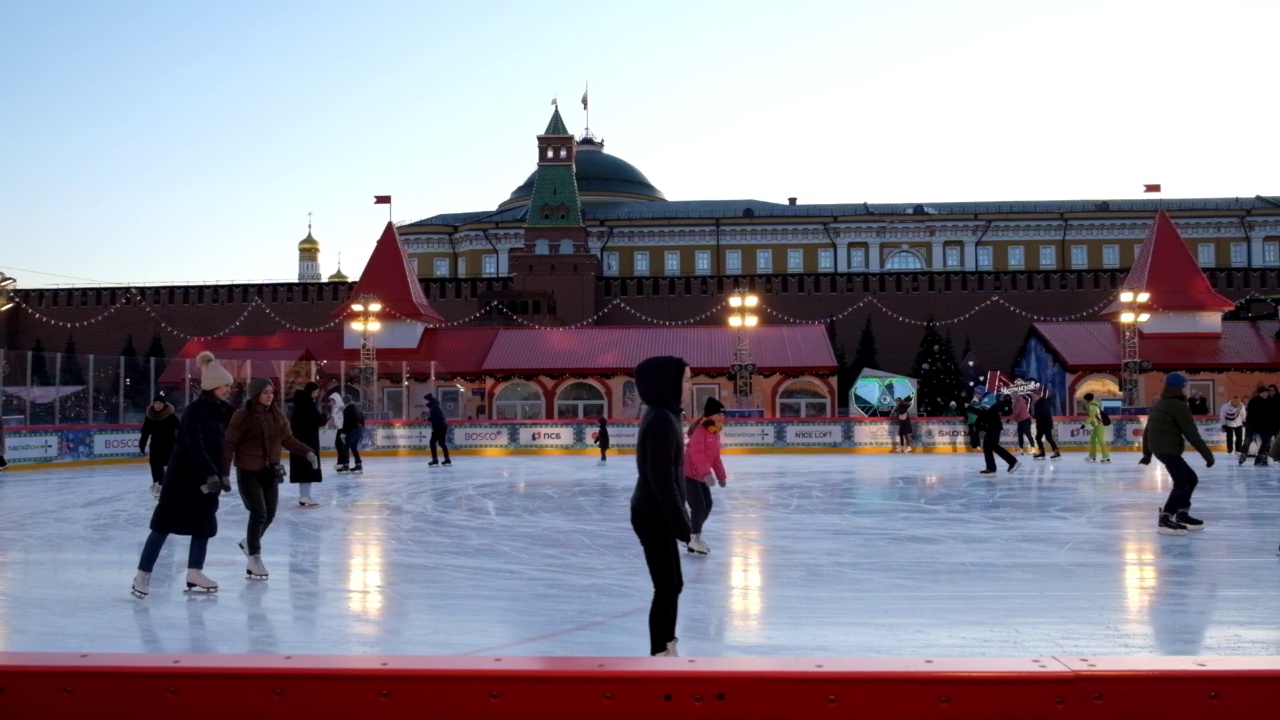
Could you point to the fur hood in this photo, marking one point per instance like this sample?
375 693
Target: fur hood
164 412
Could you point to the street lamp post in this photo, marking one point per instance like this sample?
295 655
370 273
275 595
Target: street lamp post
7 284
367 324
740 317
1132 314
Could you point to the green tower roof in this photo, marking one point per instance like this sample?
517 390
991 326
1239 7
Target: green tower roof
556 126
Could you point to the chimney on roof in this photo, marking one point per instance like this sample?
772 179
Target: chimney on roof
791 201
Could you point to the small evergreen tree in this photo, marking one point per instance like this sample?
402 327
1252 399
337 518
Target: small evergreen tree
845 373
72 407
154 361
137 391
39 365
937 373
72 373
866 357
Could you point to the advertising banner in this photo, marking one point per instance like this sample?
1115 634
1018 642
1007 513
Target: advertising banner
21 446
620 436
116 444
554 436
474 436
402 436
814 434
737 434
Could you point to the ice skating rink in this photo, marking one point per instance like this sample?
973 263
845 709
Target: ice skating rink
812 555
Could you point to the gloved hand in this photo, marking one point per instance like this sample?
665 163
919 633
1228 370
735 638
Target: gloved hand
722 481
226 483
212 485
1208 460
315 461
1146 460
142 450
155 490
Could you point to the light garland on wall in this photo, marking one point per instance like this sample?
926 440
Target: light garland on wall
62 323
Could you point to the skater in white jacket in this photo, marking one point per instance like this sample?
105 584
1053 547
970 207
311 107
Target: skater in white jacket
1232 415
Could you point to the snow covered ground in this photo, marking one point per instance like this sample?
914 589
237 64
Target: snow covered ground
813 555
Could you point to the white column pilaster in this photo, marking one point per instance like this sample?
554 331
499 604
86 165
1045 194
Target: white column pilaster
936 255
873 255
971 255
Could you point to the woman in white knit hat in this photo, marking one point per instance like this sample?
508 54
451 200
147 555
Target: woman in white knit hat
195 476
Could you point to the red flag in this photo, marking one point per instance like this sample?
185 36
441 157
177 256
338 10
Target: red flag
1151 188
381 199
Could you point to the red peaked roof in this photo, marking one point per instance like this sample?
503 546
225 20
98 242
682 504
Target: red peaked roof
1095 345
1166 269
620 349
389 276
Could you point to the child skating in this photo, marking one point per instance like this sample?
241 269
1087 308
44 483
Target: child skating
902 413
602 439
701 461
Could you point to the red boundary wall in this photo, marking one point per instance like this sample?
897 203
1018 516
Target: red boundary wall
68 685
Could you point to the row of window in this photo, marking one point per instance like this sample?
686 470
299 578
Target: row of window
908 259
904 259
519 400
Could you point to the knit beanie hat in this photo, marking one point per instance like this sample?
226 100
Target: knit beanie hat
159 397
212 375
712 407
256 386
1175 380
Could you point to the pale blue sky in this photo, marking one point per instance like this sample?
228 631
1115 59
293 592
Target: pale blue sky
166 141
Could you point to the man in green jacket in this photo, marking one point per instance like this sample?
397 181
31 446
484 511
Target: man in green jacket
1168 425
1097 431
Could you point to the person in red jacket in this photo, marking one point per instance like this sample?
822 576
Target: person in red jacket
701 461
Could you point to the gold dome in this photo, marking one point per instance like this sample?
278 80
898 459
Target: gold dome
309 243
339 277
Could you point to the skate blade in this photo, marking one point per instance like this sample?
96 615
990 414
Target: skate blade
138 594
1170 531
250 576
197 590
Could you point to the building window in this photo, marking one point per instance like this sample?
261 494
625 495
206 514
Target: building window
671 262
1110 256
579 400
1015 257
951 256
442 267
1271 253
413 265
1205 254
611 263
518 401
984 258
490 265
1239 254
641 261
1079 256
795 260
764 261
733 261
702 262
858 258
803 398
1048 258
826 260
904 260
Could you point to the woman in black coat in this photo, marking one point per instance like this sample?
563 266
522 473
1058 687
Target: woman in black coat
161 428
305 423
658 514
195 476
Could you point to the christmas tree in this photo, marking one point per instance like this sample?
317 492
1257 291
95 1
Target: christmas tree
73 407
845 373
937 374
39 365
865 356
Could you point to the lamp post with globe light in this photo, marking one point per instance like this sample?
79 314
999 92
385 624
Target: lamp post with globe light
367 324
741 303
1132 314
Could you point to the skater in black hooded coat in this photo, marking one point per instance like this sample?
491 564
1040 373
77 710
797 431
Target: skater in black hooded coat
658 514
160 428
439 430
305 423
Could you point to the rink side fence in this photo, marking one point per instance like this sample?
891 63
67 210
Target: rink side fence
52 686
33 446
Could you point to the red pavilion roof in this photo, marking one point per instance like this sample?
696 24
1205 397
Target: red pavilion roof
389 276
1166 269
1095 345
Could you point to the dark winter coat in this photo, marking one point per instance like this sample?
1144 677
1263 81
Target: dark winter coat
658 502
1198 406
1255 414
1042 413
989 418
352 418
257 437
1169 423
305 425
184 509
1271 414
161 429
436 416
602 436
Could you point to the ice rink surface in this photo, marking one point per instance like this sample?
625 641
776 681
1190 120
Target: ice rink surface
812 555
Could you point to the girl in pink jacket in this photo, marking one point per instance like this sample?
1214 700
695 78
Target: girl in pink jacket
701 460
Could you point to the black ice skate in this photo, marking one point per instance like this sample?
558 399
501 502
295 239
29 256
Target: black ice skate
1184 518
341 468
1055 456
358 469
447 462
433 463
1169 526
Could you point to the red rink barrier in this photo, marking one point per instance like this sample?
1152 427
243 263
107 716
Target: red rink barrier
67 685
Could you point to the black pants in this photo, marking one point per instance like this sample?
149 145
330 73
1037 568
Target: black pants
349 446
1045 432
158 464
1264 444
699 503
438 436
974 437
991 446
1235 438
662 555
260 491
1024 430
1184 482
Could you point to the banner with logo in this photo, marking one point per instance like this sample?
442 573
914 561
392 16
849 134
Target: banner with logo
802 435
736 434
31 446
553 436
620 436
473 436
118 443
402 436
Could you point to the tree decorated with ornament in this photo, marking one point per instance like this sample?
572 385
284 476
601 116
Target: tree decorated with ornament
937 373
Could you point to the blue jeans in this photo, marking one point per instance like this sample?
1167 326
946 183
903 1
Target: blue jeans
155 541
350 446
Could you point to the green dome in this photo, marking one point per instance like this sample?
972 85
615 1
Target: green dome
598 174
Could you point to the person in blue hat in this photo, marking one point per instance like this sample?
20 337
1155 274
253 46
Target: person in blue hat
990 424
1169 427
